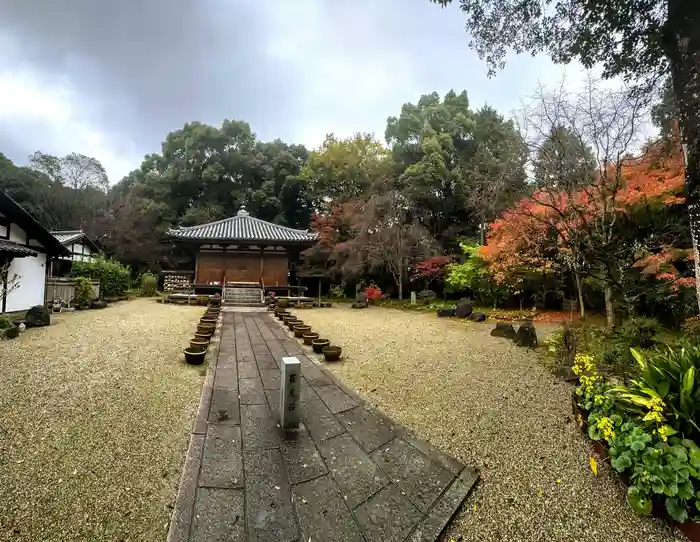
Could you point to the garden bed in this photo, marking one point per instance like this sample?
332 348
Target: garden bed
95 414
644 426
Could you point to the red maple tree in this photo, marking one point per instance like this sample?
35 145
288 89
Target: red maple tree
551 228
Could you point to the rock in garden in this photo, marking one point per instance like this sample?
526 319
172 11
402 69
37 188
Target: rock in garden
38 316
359 305
444 313
526 335
98 304
503 329
478 317
463 310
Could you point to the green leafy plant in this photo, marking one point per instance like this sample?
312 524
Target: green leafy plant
665 389
149 284
83 292
114 278
668 470
338 291
627 445
639 332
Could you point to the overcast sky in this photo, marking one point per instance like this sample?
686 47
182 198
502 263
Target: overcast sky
110 79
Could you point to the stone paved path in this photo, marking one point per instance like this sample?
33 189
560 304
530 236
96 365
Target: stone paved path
351 475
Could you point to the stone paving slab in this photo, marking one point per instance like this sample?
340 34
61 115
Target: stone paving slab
387 515
349 474
336 399
269 508
222 462
419 477
366 428
323 514
357 476
302 458
218 515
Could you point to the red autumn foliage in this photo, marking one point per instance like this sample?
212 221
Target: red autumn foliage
372 293
431 268
520 238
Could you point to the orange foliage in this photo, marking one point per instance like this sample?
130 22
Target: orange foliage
657 176
545 220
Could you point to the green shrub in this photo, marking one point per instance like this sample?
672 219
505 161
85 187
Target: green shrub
338 291
615 347
149 285
83 292
639 332
114 278
5 322
670 380
641 422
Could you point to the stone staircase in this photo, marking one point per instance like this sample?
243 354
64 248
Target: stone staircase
243 297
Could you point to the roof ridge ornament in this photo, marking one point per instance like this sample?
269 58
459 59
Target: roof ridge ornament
242 212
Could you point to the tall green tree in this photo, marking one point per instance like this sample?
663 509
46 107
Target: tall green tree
344 169
496 171
455 166
563 160
639 40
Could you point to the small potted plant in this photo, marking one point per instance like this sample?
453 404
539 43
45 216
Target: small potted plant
300 330
195 356
331 353
206 328
308 337
199 343
292 323
318 344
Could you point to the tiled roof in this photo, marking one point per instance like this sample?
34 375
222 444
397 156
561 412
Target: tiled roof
67 236
243 227
15 248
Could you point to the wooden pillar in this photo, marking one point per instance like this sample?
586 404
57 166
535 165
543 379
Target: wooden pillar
262 264
196 266
223 269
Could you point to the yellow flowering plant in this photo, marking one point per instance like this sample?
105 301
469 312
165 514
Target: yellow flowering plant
592 389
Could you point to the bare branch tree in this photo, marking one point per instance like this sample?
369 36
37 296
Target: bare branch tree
386 240
580 143
9 282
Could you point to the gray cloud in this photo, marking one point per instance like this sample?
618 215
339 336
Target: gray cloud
152 65
293 70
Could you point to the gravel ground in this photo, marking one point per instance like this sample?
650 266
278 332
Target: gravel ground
95 414
493 406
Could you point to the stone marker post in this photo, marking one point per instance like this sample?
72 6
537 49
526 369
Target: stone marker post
289 394
413 298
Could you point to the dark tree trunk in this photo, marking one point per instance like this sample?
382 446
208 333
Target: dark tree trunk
682 47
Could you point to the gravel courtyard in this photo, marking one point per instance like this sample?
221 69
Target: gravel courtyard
95 414
493 406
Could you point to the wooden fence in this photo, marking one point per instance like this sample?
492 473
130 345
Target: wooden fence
64 289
